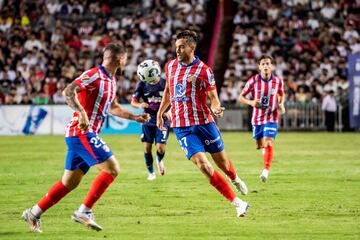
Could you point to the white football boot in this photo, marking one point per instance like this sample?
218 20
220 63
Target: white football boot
33 221
240 185
241 207
264 175
161 167
87 219
151 177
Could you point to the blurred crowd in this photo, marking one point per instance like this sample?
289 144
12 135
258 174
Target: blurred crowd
309 40
45 44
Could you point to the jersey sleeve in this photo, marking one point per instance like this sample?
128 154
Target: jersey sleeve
138 92
166 71
86 78
249 87
209 80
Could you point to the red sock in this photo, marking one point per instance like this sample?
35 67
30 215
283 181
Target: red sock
231 173
218 182
56 192
98 187
268 157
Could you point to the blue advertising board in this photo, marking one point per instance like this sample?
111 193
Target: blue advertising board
354 89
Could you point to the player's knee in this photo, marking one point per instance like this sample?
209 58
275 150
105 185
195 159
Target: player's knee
205 167
70 185
161 150
147 149
268 143
114 171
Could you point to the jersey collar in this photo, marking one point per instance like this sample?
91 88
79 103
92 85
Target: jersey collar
104 71
191 64
265 79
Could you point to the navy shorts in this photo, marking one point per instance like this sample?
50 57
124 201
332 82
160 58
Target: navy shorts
265 130
199 138
85 151
151 133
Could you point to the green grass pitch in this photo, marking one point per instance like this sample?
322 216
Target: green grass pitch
313 191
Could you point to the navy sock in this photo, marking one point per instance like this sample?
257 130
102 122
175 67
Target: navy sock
159 156
149 162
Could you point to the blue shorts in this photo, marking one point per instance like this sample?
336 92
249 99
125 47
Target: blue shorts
85 151
149 133
199 138
265 130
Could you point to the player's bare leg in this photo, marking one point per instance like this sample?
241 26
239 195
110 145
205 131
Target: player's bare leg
149 161
219 183
69 181
268 156
108 172
224 163
160 152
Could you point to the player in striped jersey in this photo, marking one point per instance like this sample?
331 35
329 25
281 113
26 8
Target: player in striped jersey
92 97
266 92
189 82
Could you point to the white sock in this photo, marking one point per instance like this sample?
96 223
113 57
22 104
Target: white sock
263 151
36 211
84 209
236 202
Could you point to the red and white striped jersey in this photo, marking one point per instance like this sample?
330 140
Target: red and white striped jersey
188 85
266 92
97 93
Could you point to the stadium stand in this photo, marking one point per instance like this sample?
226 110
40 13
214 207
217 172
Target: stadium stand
310 41
45 44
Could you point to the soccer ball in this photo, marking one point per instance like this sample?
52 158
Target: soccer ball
148 71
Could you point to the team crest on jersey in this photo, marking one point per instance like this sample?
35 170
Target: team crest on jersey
179 90
85 77
190 78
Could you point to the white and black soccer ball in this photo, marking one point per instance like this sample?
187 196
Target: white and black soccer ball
148 71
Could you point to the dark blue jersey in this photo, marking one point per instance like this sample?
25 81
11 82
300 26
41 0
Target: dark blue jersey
152 95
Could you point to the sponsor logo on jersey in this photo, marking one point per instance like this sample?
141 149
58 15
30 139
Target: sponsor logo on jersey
212 80
154 99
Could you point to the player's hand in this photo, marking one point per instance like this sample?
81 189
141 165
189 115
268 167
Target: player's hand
218 111
160 123
256 103
83 121
282 108
144 105
143 118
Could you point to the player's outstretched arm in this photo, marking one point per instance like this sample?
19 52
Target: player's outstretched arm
215 104
119 111
70 93
136 104
254 103
165 102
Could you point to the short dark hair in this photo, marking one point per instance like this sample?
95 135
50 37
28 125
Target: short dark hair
189 35
115 49
265 57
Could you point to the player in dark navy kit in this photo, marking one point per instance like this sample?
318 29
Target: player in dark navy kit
151 95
